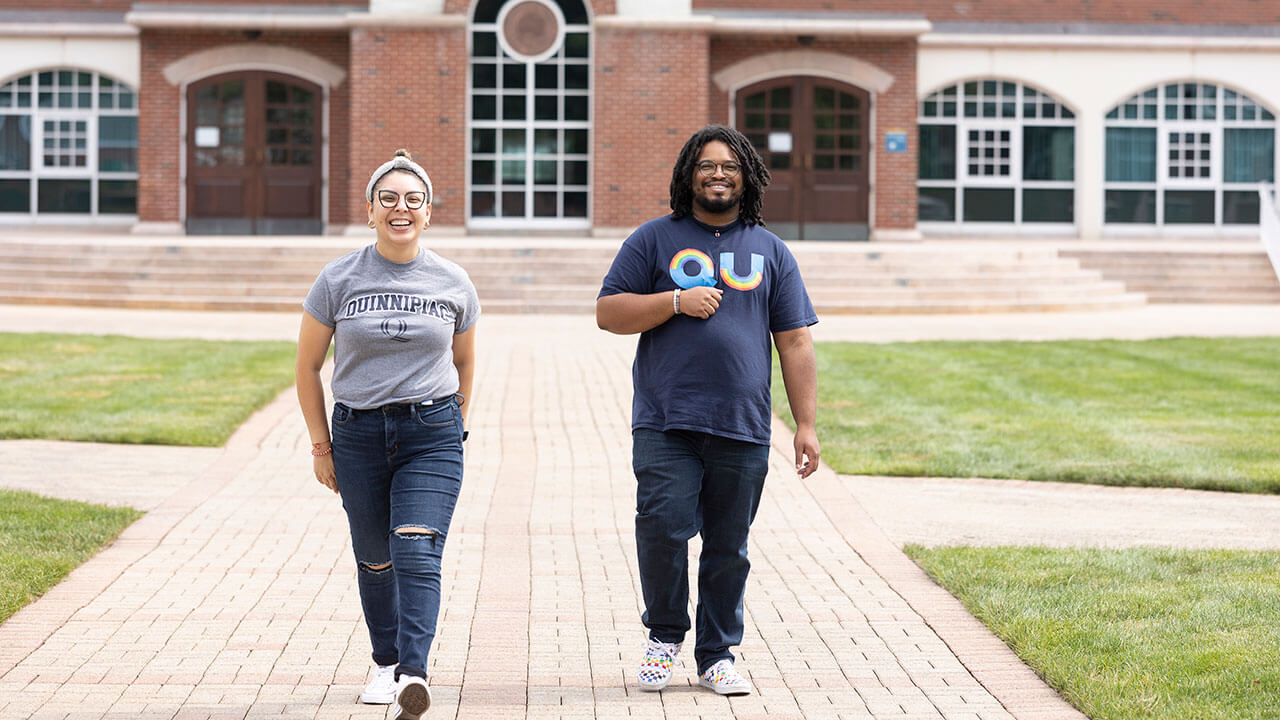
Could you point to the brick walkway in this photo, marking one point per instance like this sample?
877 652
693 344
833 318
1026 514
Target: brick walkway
235 597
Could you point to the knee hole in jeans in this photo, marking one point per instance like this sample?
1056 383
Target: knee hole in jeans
374 568
415 532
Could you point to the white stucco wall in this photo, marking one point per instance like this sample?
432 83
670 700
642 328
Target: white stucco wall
1092 80
116 57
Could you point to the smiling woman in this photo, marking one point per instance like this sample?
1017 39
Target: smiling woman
402 322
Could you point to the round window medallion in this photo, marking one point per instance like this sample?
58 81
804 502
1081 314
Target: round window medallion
531 30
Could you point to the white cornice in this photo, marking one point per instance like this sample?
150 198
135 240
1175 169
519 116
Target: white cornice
49 29
1108 42
808 26
771 26
162 19
421 20
629 22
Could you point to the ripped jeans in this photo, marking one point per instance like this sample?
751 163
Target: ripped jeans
399 470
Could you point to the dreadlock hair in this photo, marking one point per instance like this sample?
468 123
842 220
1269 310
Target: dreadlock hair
755 176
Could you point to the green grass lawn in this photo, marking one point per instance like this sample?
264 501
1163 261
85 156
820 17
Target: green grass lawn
130 390
1182 412
1132 634
41 540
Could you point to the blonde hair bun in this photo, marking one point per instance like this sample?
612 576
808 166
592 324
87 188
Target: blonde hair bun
404 154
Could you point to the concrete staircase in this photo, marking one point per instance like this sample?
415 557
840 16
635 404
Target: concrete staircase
1185 272
537 275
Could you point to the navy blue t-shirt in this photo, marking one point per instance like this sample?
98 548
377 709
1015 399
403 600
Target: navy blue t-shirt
710 375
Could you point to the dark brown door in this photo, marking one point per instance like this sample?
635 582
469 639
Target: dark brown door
812 133
253 158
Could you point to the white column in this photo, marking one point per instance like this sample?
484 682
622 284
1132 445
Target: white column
1091 144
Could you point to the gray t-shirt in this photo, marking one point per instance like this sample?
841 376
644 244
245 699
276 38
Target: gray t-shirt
393 325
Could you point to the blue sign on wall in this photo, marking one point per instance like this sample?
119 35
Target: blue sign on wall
895 141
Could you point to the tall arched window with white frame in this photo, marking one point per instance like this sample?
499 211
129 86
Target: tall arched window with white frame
1187 154
529 114
68 147
995 153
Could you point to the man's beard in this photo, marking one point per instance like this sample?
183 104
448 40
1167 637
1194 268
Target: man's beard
716 206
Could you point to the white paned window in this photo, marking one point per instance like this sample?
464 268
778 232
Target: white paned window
989 153
995 153
1190 155
66 144
529 116
1187 154
68 147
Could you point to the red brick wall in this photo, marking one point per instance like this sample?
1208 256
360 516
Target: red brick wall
651 92
159 104
1208 12
409 92
895 179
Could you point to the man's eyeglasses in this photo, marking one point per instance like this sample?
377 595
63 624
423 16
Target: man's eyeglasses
412 200
707 168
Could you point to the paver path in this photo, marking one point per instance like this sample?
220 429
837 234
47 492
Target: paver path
235 596
975 511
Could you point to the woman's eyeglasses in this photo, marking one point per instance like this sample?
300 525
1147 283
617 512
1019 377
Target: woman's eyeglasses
412 200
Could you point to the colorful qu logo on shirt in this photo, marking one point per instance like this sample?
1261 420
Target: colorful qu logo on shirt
706 272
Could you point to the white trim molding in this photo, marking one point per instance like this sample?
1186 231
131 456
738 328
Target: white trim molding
750 24
845 68
252 56
1097 42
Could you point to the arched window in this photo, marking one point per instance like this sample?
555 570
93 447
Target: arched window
996 152
1188 154
68 146
530 86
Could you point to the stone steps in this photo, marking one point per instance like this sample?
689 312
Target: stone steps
1240 273
540 276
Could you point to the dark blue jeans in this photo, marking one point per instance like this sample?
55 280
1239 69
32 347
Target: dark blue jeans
399 470
689 483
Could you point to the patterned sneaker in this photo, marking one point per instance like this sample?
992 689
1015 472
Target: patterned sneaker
381 689
725 679
655 668
413 697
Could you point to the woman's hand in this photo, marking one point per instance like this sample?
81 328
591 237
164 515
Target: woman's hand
323 466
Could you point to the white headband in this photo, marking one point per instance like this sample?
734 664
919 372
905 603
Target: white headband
399 162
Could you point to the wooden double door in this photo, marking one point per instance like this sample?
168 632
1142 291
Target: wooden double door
254 150
815 138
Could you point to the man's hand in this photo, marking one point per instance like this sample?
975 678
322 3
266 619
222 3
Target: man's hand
807 451
700 302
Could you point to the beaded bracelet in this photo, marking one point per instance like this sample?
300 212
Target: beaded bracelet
317 452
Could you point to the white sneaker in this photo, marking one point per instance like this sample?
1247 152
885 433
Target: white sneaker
381 689
413 697
655 667
725 679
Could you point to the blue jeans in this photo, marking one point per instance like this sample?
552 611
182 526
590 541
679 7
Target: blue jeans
399 470
689 483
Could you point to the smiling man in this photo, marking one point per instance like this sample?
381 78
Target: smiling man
710 291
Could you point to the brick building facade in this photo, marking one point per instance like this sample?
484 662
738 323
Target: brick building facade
880 119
